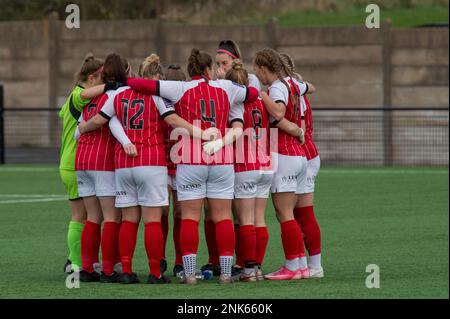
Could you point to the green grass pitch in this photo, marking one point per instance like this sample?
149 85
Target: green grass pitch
396 218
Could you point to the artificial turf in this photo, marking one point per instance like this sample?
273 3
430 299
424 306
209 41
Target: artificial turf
396 218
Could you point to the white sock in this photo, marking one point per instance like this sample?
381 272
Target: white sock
226 263
189 263
303 262
314 261
291 264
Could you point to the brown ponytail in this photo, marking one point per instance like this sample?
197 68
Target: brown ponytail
114 69
198 62
151 67
90 66
289 62
289 69
175 73
127 66
237 73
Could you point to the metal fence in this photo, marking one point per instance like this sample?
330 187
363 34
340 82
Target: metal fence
353 137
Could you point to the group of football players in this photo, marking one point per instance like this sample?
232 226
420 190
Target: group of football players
218 141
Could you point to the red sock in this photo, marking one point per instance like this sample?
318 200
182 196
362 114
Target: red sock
210 235
110 246
90 245
310 228
247 240
154 241
117 257
189 237
290 236
238 249
165 232
225 237
262 238
127 243
176 240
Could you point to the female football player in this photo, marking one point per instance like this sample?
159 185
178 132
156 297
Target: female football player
94 164
289 160
210 104
87 87
227 52
253 178
304 209
151 68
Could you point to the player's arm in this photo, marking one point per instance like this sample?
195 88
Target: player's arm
236 120
291 129
237 93
254 82
93 124
118 132
306 88
100 119
231 135
178 122
277 109
90 93
167 112
311 88
169 90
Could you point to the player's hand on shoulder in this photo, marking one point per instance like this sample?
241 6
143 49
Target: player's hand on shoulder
130 149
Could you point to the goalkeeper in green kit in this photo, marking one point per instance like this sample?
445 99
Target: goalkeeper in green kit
88 85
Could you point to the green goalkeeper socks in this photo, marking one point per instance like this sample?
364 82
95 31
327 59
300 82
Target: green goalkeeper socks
74 242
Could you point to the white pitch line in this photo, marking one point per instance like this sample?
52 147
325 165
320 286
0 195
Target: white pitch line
20 201
26 170
31 195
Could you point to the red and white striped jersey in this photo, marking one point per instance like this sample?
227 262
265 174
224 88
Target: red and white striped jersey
289 145
168 143
309 147
205 105
95 150
252 150
140 117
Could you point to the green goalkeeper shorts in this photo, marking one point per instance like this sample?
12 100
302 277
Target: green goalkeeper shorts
69 179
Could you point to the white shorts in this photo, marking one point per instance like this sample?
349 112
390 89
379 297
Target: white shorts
252 184
96 183
142 186
289 174
205 181
172 182
312 169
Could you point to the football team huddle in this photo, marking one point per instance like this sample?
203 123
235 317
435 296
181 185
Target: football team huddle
216 142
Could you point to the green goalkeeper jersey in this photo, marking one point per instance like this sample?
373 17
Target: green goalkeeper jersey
70 113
